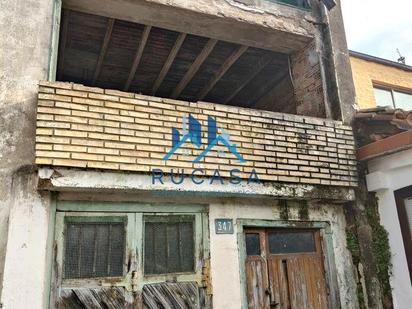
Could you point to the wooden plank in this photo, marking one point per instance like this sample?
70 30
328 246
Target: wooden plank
63 42
265 91
103 49
169 61
194 68
257 283
138 56
181 295
222 70
97 298
259 67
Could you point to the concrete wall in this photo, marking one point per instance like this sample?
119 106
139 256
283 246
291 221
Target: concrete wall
24 59
367 73
387 174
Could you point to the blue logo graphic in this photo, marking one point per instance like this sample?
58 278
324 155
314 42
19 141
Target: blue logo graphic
194 136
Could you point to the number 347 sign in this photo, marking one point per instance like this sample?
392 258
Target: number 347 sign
224 226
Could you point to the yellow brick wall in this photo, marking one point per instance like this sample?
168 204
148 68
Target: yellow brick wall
86 127
366 73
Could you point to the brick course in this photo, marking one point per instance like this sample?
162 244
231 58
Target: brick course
90 127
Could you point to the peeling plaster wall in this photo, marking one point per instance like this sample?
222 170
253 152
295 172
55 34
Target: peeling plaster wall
25 33
225 255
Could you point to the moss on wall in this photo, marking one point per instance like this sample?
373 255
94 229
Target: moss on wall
379 245
381 250
352 243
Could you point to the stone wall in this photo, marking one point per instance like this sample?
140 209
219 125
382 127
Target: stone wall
85 127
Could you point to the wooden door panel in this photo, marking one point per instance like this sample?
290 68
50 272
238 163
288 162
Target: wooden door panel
278 283
257 283
295 280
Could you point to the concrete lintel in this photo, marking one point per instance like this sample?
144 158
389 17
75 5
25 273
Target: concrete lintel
271 26
59 179
376 181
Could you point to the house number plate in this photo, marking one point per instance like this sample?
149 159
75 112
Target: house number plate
224 226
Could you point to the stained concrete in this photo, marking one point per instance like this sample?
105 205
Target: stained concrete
267 25
61 179
24 60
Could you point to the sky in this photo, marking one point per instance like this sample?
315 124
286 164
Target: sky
379 27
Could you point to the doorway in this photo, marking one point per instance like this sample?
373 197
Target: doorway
284 269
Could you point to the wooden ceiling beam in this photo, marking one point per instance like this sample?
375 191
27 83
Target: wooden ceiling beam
222 70
194 68
138 56
103 49
266 90
259 67
169 61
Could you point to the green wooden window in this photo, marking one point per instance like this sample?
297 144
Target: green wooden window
128 245
94 249
169 244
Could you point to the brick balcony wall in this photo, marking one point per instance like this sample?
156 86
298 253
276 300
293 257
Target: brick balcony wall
93 128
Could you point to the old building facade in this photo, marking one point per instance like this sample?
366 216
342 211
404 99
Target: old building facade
183 154
383 129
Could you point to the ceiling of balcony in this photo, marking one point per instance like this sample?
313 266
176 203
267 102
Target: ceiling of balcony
108 53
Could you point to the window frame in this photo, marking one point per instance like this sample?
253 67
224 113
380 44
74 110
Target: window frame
400 196
94 220
158 219
133 279
60 229
392 90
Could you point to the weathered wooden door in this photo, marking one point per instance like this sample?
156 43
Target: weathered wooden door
284 269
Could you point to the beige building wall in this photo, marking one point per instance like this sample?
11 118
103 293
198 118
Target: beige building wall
368 73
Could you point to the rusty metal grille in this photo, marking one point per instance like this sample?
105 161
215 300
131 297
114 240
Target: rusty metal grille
94 249
169 245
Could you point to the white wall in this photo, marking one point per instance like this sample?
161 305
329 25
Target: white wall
225 254
25 269
387 174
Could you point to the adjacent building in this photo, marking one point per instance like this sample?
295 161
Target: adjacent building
176 154
384 132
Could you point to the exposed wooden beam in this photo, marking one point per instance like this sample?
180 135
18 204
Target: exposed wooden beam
259 67
63 42
138 56
194 67
103 50
267 90
222 70
169 61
